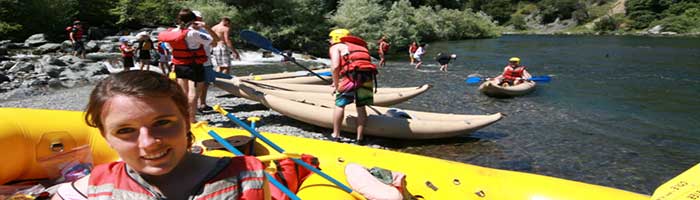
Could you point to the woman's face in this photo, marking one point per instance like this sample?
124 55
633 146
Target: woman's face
149 134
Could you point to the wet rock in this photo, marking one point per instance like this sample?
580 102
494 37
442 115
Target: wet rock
69 59
66 46
92 46
5 65
69 74
36 40
656 29
93 69
46 48
21 67
50 60
109 47
102 56
4 42
78 66
15 45
4 78
112 38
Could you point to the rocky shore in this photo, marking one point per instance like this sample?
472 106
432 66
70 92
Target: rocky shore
42 75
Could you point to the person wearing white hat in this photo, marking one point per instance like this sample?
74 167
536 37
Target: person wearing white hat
145 45
208 66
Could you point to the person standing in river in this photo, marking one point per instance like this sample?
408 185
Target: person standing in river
382 49
444 60
419 55
411 50
145 45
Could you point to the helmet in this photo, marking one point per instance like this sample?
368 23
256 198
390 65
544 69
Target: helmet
123 39
514 59
336 34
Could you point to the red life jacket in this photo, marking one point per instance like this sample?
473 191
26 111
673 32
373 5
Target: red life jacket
124 53
78 35
514 73
412 48
182 55
291 175
358 58
242 178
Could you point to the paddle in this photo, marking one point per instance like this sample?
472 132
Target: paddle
262 42
280 150
541 79
685 186
269 177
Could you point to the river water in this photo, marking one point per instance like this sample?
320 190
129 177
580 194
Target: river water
622 112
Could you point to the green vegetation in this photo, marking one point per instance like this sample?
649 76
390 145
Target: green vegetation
304 24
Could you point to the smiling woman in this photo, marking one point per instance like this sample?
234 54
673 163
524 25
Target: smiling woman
143 116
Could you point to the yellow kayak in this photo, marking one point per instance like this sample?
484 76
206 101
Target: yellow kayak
30 134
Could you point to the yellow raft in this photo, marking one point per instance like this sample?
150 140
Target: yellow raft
28 134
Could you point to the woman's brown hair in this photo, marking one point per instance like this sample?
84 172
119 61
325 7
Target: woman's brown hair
135 83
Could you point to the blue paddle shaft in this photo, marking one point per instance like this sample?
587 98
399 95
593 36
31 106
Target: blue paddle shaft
262 42
279 149
236 152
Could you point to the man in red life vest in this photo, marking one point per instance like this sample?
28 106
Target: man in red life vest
189 55
513 73
77 38
353 76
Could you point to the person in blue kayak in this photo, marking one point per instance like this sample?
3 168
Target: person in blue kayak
513 73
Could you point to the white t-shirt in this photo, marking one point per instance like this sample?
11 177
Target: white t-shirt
419 52
207 47
195 39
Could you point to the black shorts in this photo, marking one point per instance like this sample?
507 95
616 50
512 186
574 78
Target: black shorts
79 46
193 72
144 55
128 62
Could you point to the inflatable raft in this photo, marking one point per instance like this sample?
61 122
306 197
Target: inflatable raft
30 134
491 88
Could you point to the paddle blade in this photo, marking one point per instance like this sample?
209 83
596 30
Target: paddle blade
541 78
473 80
325 74
258 40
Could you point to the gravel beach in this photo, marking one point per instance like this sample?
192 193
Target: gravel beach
271 121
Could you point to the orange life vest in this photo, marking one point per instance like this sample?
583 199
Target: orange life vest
514 73
291 175
182 55
358 58
242 178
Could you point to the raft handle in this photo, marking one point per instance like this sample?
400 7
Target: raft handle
56 146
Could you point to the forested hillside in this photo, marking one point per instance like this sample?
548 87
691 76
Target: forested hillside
303 24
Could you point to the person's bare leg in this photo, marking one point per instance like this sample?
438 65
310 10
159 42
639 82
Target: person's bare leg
361 121
194 90
418 64
203 95
338 115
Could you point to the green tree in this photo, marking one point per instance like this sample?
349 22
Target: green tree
138 13
46 16
363 18
399 26
562 9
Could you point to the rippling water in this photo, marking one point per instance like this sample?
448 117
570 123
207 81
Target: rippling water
620 112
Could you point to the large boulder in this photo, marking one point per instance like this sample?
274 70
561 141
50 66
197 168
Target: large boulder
92 69
48 47
51 60
36 40
69 59
22 67
92 46
102 56
5 65
109 47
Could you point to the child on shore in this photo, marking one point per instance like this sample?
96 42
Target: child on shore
127 53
